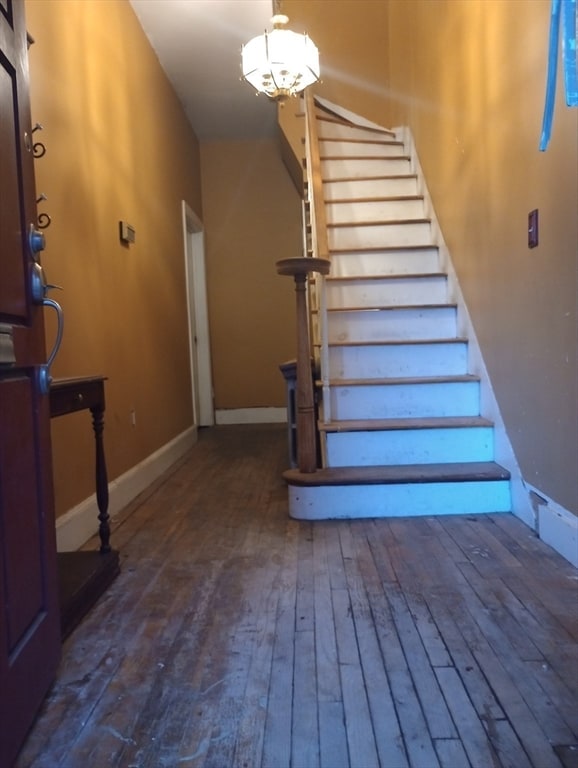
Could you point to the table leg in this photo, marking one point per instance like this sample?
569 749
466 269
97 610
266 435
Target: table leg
101 479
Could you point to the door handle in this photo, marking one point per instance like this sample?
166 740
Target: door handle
36 242
40 289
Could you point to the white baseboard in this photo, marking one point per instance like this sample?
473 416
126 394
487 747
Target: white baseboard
554 524
251 416
79 524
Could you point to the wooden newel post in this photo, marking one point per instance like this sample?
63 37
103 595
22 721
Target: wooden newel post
299 268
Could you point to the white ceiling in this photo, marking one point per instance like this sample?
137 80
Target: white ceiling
198 43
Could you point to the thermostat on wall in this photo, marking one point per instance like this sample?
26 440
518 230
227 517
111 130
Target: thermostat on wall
127 233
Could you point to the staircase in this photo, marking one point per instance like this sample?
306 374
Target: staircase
400 427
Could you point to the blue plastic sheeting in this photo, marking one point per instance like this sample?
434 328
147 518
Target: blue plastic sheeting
569 22
564 10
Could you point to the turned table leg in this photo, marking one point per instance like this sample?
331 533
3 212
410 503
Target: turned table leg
101 479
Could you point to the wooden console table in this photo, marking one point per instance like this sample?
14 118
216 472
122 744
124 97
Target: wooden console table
85 575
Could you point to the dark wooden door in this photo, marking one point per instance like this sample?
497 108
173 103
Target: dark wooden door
29 621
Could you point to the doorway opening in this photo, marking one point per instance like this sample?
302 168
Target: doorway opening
199 342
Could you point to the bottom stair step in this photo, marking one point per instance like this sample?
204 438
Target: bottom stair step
399 491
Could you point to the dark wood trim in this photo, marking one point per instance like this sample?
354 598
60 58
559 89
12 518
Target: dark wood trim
82 578
398 474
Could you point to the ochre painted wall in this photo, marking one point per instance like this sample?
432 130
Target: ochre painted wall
252 216
118 147
352 39
468 77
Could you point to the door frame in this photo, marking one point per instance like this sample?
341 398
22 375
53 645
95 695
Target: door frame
198 316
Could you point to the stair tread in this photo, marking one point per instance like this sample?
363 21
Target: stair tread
354 140
462 377
378 223
406 158
392 276
385 248
398 342
378 425
381 177
389 308
399 473
388 199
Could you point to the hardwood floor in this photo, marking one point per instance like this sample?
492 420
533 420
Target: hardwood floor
235 637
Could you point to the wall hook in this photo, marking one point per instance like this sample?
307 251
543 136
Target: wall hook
44 221
38 149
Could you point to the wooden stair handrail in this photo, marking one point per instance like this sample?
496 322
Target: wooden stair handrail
315 183
319 238
300 269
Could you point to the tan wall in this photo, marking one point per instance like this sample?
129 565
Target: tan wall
352 39
252 217
468 76
118 147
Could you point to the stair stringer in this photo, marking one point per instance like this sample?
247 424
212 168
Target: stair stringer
489 408
350 117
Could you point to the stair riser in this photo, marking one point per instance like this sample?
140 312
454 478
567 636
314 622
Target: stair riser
379 236
392 325
403 500
401 401
354 189
359 149
374 210
392 262
387 292
397 361
328 130
409 446
363 167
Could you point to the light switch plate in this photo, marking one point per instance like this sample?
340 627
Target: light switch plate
533 228
127 233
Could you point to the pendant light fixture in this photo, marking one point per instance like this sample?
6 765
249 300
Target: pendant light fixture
280 63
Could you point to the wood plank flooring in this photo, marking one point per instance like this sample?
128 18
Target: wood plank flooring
235 637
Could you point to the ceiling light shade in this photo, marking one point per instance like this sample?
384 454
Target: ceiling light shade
280 63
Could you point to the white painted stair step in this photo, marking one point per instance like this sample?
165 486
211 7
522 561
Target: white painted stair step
360 148
405 398
404 498
386 290
398 359
375 235
392 324
380 186
365 167
386 261
384 209
447 440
